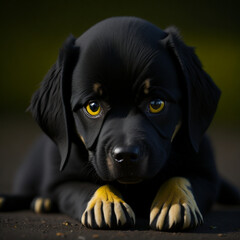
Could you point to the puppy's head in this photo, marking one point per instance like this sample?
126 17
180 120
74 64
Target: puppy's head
124 88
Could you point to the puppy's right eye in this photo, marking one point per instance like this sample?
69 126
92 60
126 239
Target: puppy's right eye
156 106
93 108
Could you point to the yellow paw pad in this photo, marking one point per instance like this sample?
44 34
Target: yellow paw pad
106 209
174 207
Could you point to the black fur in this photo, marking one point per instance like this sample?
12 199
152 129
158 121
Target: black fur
122 63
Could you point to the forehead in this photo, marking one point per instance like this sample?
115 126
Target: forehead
120 57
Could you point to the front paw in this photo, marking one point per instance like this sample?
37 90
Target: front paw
106 210
174 207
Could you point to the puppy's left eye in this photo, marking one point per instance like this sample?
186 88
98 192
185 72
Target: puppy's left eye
93 108
156 106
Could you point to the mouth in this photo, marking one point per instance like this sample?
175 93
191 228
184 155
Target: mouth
129 180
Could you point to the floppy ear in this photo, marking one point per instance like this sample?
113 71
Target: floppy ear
202 94
50 105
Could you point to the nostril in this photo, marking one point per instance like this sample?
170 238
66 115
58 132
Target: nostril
129 153
119 157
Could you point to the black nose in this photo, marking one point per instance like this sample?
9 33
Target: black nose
126 153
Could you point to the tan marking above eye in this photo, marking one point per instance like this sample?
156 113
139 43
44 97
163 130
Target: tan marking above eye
97 88
146 86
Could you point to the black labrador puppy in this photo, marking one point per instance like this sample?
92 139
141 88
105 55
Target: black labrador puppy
125 109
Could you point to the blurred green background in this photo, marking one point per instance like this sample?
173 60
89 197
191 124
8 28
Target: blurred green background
33 31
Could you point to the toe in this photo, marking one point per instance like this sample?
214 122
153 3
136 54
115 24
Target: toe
174 215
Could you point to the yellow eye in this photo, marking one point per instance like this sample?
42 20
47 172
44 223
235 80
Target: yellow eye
93 108
156 106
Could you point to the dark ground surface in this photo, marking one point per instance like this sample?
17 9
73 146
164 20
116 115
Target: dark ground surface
219 224
16 136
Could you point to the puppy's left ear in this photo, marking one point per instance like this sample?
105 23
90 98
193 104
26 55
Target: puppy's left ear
202 94
50 105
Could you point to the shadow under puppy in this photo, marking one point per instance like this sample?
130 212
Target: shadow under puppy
127 105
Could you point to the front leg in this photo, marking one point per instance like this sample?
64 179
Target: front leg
98 207
174 207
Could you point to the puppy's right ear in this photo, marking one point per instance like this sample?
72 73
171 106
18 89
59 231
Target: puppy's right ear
201 93
50 105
